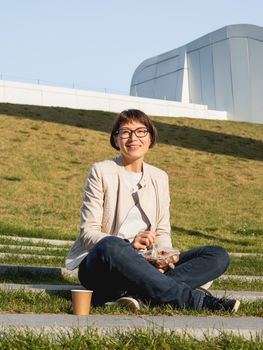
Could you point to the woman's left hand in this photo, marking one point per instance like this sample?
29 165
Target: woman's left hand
168 267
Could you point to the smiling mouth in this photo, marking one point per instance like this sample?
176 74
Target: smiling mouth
133 146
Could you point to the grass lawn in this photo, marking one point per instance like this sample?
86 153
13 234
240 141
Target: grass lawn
215 170
130 340
44 302
55 261
246 265
40 278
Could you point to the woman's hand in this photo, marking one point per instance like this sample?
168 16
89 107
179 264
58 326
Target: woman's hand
144 239
169 266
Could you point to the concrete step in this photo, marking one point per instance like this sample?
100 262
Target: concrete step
31 247
196 326
242 277
40 287
21 256
38 240
241 295
240 255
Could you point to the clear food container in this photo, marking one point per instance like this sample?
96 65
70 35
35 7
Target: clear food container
162 257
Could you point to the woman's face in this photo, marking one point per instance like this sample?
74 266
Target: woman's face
133 148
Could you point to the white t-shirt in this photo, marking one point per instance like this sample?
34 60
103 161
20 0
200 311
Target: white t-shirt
136 220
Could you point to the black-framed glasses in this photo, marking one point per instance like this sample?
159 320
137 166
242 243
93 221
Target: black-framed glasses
127 133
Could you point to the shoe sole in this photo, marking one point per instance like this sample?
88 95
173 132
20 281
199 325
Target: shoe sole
127 302
236 306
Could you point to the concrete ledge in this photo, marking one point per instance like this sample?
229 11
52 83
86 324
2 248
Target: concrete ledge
196 326
40 287
21 256
38 240
240 255
241 277
30 247
241 295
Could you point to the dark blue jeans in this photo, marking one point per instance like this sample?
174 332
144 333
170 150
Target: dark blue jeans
113 269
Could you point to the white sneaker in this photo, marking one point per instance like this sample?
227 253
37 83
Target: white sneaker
128 302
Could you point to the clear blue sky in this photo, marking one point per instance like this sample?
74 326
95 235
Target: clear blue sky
97 44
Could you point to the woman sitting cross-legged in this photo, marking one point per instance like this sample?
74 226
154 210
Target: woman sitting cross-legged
125 211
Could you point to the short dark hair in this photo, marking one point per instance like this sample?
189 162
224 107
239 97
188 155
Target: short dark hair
126 117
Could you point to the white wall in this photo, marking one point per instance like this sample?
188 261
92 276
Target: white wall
42 95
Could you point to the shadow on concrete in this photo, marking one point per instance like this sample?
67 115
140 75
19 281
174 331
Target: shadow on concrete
177 135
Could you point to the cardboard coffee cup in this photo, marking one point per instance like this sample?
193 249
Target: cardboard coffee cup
81 300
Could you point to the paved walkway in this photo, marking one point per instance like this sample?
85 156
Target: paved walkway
197 326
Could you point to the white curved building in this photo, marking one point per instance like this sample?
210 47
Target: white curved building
223 70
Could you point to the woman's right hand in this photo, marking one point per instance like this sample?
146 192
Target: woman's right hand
144 239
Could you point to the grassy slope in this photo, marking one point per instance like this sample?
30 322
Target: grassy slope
215 171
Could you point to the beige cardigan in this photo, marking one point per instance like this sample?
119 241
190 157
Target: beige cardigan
107 201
